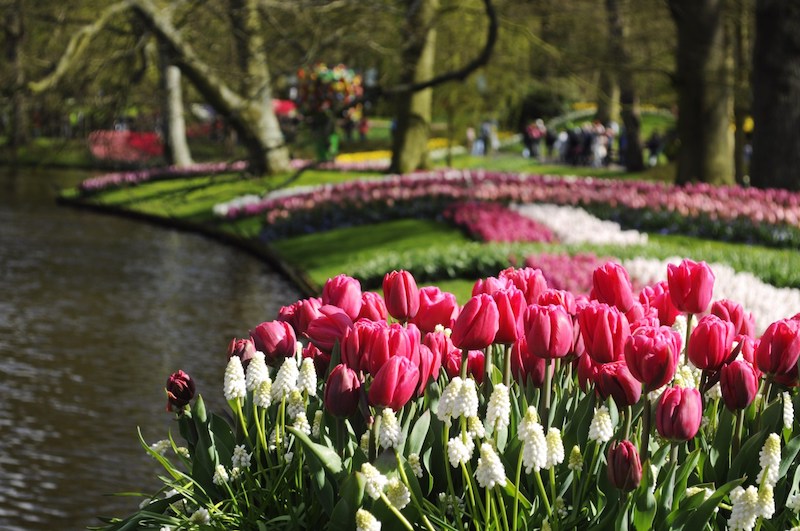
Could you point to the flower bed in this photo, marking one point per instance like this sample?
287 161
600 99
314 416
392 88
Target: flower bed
493 222
541 409
131 178
771 217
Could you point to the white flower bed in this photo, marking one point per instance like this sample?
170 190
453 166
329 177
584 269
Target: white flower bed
574 225
767 302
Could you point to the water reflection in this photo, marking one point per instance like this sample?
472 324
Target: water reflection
95 313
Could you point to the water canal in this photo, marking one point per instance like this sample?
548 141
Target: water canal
95 313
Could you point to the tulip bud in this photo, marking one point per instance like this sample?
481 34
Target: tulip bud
401 295
429 366
306 310
560 297
436 307
511 307
395 383
531 281
373 307
343 292
605 330
615 380
679 413
548 331
476 362
779 347
624 466
612 285
275 339
690 285
587 372
710 343
329 328
180 391
652 355
739 383
341 391
489 285
477 324
743 322
657 297
244 349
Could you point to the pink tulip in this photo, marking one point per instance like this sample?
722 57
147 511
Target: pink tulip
489 285
477 324
525 366
652 355
401 295
624 465
615 380
739 383
343 292
779 347
429 366
342 391
180 390
605 330
657 297
612 285
678 413
436 307
727 310
244 349
690 285
511 307
710 343
275 339
531 281
548 331
394 384
560 297
321 359
373 307
329 328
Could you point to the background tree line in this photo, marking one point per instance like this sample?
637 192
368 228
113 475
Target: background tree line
715 63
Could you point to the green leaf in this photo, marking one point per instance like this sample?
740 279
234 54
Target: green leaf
326 456
747 457
644 510
789 453
697 519
418 433
351 495
682 476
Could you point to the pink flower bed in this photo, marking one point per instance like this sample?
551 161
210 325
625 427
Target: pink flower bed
129 178
126 146
493 222
565 272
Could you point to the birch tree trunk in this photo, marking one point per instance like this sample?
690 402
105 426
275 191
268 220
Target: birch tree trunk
176 148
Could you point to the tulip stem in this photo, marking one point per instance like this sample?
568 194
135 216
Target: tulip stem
628 415
548 377
414 499
488 372
645 450
507 367
517 477
396 512
689 317
542 492
737 441
464 359
501 508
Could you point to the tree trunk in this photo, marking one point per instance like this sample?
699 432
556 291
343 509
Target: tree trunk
250 114
176 148
742 32
704 93
628 97
776 95
15 33
607 97
413 119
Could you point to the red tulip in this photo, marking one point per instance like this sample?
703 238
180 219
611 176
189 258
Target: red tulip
548 331
180 390
342 391
690 285
652 355
612 285
245 349
300 313
560 297
657 297
401 295
531 281
436 307
710 343
321 359
275 339
624 466
373 307
439 344
343 292
743 322
525 366
329 328
587 372
678 413
739 383
477 324
429 366
615 380
489 285
605 330
476 362
511 307
394 384
779 347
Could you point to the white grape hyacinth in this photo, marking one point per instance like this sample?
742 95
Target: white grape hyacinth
241 459
307 379
286 380
745 509
459 450
263 394
459 399
602 428
555 448
770 460
365 521
235 386
397 493
257 371
390 433
374 481
788 410
534 442
498 412
490 471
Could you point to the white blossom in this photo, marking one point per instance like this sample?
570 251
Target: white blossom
301 423
770 460
220 475
686 376
296 404
745 509
161 446
286 379
415 464
575 459
365 521
182 451
601 429
240 459
257 371
715 392
498 411
490 471
263 395
200 516
534 442
390 434
766 501
307 379
374 481
364 443
475 428
575 225
788 410
397 493
459 399
288 456
459 450
555 448
317 425
793 502
234 386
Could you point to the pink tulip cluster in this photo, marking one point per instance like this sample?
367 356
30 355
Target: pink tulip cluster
697 201
130 178
494 222
125 146
565 272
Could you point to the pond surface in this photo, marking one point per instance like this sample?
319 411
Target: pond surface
95 312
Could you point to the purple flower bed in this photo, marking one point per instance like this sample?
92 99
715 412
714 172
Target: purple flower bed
565 272
130 178
493 222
